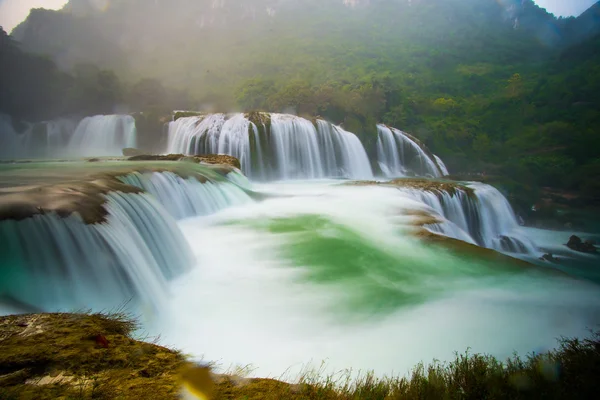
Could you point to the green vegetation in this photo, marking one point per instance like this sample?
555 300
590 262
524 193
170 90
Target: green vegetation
82 356
93 356
507 91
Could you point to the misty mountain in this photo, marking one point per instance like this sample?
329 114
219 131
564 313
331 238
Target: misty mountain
169 39
494 85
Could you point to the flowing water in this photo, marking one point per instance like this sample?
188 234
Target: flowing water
288 274
287 147
398 154
332 273
100 135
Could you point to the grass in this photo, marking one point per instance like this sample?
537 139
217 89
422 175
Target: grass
63 356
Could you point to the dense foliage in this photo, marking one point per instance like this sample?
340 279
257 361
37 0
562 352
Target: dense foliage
494 86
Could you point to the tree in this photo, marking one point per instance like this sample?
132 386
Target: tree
515 86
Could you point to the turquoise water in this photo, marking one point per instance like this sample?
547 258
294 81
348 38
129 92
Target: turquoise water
335 274
294 274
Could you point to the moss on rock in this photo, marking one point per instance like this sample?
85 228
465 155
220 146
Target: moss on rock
186 114
81 356
215 159
429 185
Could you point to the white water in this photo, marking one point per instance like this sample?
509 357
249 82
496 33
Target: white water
291 149
442 166
487 220
263 305
57 263
100 135
398 155
103 135
317 272
184 198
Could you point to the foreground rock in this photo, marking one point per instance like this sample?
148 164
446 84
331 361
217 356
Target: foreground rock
575 243
50 356
82 356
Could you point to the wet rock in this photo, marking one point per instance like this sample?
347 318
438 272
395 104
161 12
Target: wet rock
575 243
550 258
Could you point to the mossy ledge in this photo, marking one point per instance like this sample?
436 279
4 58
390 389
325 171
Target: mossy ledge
434 186
94 356
185 114
86 198
87 195
214 159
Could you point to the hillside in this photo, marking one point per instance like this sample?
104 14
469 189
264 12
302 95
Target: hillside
501 87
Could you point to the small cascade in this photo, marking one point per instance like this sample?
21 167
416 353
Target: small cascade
441 165
343 155
484 217
103 135
184 198
400 155
497 221
56 263
280 147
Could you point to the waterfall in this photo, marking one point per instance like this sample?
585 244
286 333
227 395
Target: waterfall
343 155
103 135
59 263
287 147
184 198
484 218
43 139
400 155
441 165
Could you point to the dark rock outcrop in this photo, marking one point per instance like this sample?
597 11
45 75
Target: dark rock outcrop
575 243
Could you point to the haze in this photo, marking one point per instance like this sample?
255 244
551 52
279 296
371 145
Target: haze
13 12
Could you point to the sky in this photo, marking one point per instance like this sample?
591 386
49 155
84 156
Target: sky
12 12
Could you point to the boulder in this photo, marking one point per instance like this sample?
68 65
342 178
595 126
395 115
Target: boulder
575 243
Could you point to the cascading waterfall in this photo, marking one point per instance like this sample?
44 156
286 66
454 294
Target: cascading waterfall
289 147
343 154
399 155
103 135
484 218
43 139
60 263
442 166
184 198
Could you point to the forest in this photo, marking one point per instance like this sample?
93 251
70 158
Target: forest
492 88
